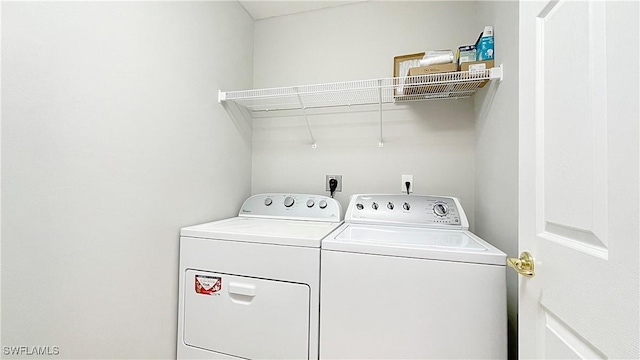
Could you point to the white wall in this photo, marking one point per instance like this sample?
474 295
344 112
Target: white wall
466 148
112 139
433 141
496 152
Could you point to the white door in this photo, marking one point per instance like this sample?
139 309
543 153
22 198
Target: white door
579 179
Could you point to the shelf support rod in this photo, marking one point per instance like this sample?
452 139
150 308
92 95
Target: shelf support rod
306 119
381 143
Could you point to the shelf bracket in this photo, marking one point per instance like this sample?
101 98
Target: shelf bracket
381 143
496 73
242 119
306 119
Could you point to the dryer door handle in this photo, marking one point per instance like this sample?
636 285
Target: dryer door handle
242 289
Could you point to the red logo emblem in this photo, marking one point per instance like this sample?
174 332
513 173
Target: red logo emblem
208 285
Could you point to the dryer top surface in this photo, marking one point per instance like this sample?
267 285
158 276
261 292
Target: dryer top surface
266 231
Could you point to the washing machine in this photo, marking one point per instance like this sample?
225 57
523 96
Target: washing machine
249 285
403 278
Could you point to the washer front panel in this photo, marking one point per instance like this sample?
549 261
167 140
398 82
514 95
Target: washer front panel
384 307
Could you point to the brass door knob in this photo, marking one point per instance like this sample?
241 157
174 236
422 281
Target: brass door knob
524 265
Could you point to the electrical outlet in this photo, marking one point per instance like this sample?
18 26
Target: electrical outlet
337 177
406 178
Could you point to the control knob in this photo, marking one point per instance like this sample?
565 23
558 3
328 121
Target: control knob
322 204
406 206
440 209
375 205
310 203
268 201
288 201
390 205
359 206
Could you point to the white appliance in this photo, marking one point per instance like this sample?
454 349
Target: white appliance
403 278
249 285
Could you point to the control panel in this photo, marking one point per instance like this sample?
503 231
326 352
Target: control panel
292 206
414 210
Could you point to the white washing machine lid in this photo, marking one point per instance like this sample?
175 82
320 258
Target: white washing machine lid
413 242
265 231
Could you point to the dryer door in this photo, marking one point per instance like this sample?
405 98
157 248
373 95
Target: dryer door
246 317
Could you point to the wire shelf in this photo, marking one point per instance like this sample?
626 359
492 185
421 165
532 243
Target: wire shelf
458 84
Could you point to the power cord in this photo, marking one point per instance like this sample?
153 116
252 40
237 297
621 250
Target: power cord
333 184
408 185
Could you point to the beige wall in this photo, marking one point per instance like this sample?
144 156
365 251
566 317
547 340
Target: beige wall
111 141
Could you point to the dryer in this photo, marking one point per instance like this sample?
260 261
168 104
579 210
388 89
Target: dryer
403 278
249 285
